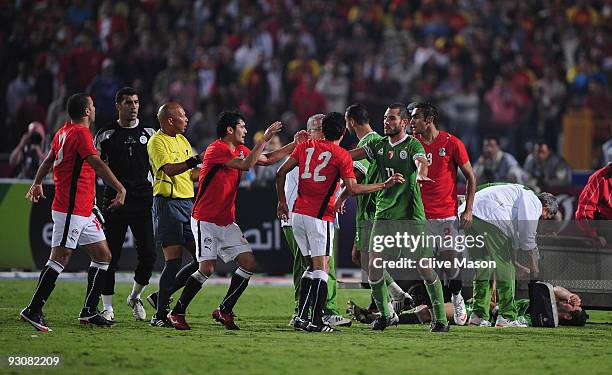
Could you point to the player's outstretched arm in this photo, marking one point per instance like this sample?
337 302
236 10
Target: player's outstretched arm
466 216
253 157
282 210
172 169
356 189
344 193
274 156
104 172
358 153
36 190
421 164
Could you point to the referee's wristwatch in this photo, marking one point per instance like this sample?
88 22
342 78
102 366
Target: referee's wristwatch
193 161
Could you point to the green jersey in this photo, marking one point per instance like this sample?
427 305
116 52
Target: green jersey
401 201
366 203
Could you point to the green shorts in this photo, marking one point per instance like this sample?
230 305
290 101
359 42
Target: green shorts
400 238
363 231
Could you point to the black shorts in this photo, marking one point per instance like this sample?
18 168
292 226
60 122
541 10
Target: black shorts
172 221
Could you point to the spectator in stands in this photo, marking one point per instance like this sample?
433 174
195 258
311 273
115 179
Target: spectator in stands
550 95
495 165
505 105
82 64
18 88
334 85
306 100
31 150
463 112
102 90
545 169
29 111
423 47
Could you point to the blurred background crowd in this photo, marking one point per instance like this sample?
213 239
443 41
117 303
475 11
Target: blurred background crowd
524 84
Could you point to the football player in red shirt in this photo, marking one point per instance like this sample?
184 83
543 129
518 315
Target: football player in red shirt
322 163
445 153
213 216
75 162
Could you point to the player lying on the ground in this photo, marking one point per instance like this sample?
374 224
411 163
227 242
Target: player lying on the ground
322 163
569 308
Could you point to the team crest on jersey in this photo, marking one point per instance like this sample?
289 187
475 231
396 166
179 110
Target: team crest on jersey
403 155
390 154
380 152
241 154
143 139
442 151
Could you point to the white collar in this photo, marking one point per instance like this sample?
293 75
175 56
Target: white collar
129 127
398 142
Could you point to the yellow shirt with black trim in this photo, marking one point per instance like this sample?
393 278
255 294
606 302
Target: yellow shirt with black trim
164 149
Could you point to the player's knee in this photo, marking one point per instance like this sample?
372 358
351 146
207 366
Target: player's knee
207 268
60 256
104 257
249 265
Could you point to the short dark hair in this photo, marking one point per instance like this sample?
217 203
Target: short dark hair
359 113
228 118
579 319
125 91
76 105
492 138
429 110
403 113
333 126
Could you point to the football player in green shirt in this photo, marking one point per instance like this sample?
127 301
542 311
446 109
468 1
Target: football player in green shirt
358 123
399 152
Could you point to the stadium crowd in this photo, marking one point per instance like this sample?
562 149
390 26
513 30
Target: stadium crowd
493 67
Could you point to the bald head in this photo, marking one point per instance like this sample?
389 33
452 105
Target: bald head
166 111
172 118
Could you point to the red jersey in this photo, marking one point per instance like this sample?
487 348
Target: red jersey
321 165
444 155
218 184
595 202
74 179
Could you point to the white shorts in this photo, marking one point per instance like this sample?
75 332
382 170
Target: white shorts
315 237
448 229
81 230
213 240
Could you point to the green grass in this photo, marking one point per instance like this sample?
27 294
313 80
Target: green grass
266 345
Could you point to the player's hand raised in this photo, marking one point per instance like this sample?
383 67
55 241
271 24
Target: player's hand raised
35 193
282 211
397 178
118 201
272 129
301 136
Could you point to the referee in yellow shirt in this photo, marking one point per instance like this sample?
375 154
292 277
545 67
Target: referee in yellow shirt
174 169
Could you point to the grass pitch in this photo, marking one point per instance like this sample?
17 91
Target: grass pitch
266 345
